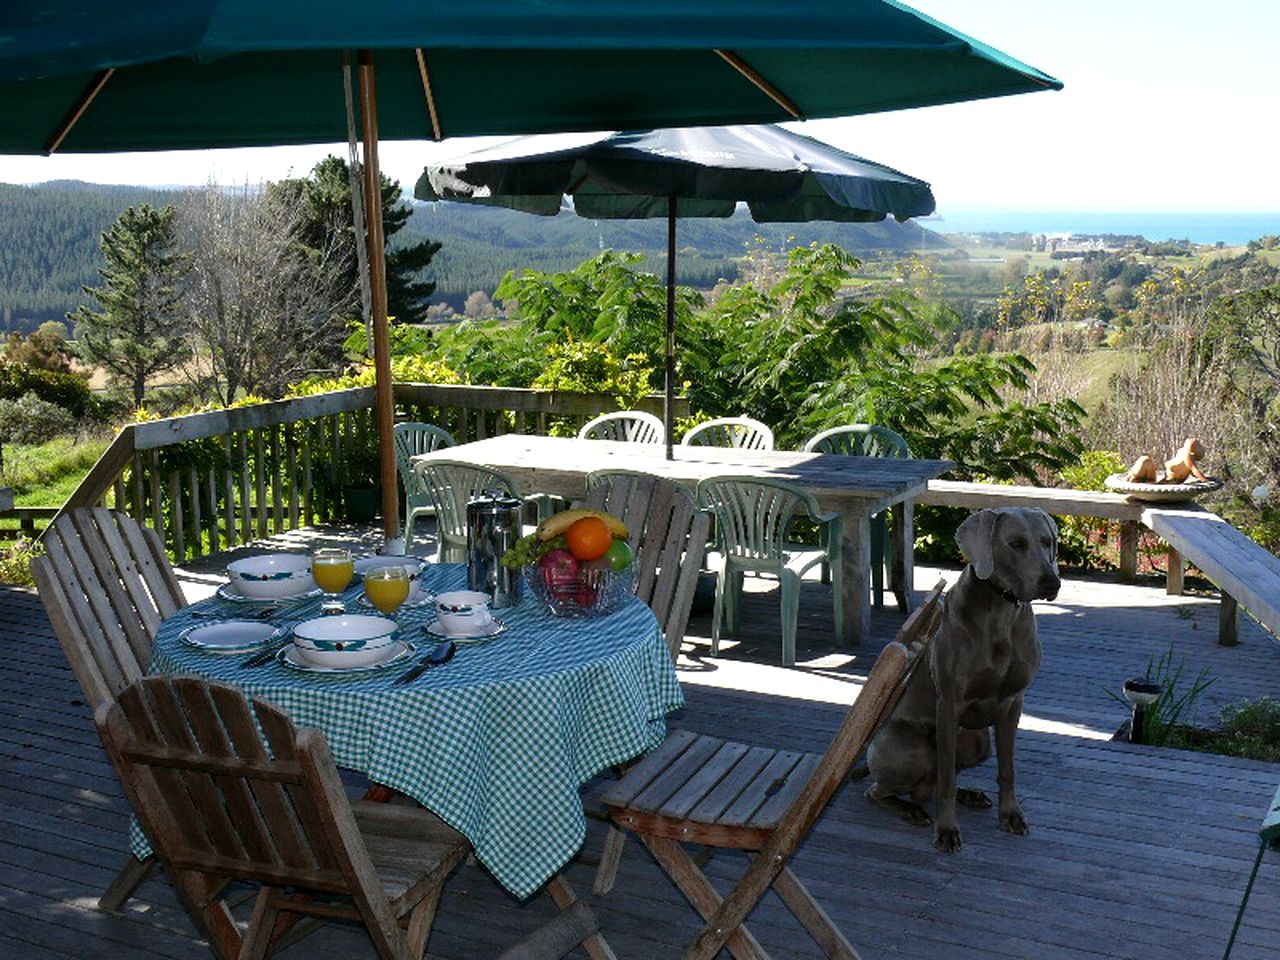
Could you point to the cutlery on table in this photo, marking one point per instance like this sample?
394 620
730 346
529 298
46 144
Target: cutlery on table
441 652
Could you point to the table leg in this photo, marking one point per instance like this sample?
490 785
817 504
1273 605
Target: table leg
902 562
856 557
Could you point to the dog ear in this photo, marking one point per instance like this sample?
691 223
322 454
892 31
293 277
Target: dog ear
973 537
1053 531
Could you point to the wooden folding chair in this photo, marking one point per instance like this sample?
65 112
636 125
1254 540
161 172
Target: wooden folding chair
722 794
669 535
106 584
219 805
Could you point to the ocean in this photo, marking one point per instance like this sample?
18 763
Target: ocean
1232 229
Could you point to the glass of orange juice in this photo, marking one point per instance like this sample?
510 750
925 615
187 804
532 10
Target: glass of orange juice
387 588
332 569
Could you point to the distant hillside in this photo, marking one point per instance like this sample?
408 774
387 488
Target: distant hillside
49 243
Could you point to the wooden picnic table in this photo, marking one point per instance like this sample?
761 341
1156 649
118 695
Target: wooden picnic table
855 487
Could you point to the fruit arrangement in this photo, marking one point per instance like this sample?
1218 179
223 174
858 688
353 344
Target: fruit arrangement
577 561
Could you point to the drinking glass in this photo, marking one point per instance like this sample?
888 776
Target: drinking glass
332 569
387 588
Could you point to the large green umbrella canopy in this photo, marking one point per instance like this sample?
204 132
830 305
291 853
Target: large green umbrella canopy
227 73
687 172
117 75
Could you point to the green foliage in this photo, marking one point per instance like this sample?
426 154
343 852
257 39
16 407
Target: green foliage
587 367
1081 539
32 420
1176 703
44 348
15 560
64 390
1250 729
326 194
43 475
137 330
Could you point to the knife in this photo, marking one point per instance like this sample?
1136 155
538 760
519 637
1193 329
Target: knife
442 652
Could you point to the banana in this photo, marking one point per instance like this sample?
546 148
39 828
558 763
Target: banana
558 523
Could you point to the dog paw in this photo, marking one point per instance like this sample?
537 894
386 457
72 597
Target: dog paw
946 839
1015 823
973 799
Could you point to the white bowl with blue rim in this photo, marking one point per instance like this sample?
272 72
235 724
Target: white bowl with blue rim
350 640
271 576
412 569
463 612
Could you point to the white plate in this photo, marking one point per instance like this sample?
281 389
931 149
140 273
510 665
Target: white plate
490 629
231 636
228 592
397 652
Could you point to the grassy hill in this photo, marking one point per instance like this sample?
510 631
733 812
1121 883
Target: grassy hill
49 243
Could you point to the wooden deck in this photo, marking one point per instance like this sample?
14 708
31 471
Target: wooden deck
1135 852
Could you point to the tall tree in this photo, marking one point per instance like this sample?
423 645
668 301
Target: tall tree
138 330
327 197
266 307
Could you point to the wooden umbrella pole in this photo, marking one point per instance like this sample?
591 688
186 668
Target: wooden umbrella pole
385 411
668 400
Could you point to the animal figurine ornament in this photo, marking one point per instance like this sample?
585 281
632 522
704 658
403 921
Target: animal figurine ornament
1183 465
1180 469
982 659
1142 471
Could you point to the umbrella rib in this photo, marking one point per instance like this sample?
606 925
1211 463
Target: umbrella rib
426 88
774 94
73 116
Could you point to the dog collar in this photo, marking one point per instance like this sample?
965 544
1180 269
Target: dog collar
1006 595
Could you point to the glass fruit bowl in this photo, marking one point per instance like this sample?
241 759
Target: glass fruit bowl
588 590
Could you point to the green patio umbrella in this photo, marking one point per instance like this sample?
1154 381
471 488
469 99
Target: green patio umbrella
116 75
688 172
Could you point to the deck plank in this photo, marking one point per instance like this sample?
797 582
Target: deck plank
1135 852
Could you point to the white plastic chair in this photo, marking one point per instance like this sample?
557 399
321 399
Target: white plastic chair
865 440
741 432
450 484
632 426
752 518
413 438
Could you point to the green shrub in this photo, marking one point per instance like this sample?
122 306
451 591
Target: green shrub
14 562
30 419
65 390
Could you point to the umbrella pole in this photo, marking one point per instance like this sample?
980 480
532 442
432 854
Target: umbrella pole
384 407
669 399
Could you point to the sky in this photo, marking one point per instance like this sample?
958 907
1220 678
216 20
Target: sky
1169 106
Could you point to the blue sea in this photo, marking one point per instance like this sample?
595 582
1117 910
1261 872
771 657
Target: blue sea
1232 229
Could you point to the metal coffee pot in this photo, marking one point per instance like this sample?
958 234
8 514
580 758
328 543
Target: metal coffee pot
493 526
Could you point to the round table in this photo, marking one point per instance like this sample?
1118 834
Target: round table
498 741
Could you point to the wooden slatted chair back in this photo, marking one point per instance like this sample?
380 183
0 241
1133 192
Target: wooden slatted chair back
875 702
743 433
669 536
106 584
632 426
225 790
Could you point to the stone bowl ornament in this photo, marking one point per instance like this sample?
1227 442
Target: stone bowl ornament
1161 492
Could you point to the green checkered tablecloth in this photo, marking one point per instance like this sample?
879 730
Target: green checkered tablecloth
498 741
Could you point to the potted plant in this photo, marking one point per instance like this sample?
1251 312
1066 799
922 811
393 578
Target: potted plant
360 470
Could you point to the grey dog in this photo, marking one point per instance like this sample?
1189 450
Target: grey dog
982 660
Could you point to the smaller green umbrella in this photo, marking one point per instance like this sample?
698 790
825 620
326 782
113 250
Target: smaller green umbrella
691 172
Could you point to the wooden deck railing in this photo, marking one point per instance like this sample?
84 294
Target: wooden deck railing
211 481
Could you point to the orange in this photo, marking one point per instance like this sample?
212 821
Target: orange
588 538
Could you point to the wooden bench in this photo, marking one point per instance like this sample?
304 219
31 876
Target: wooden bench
1055 501
1243 571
